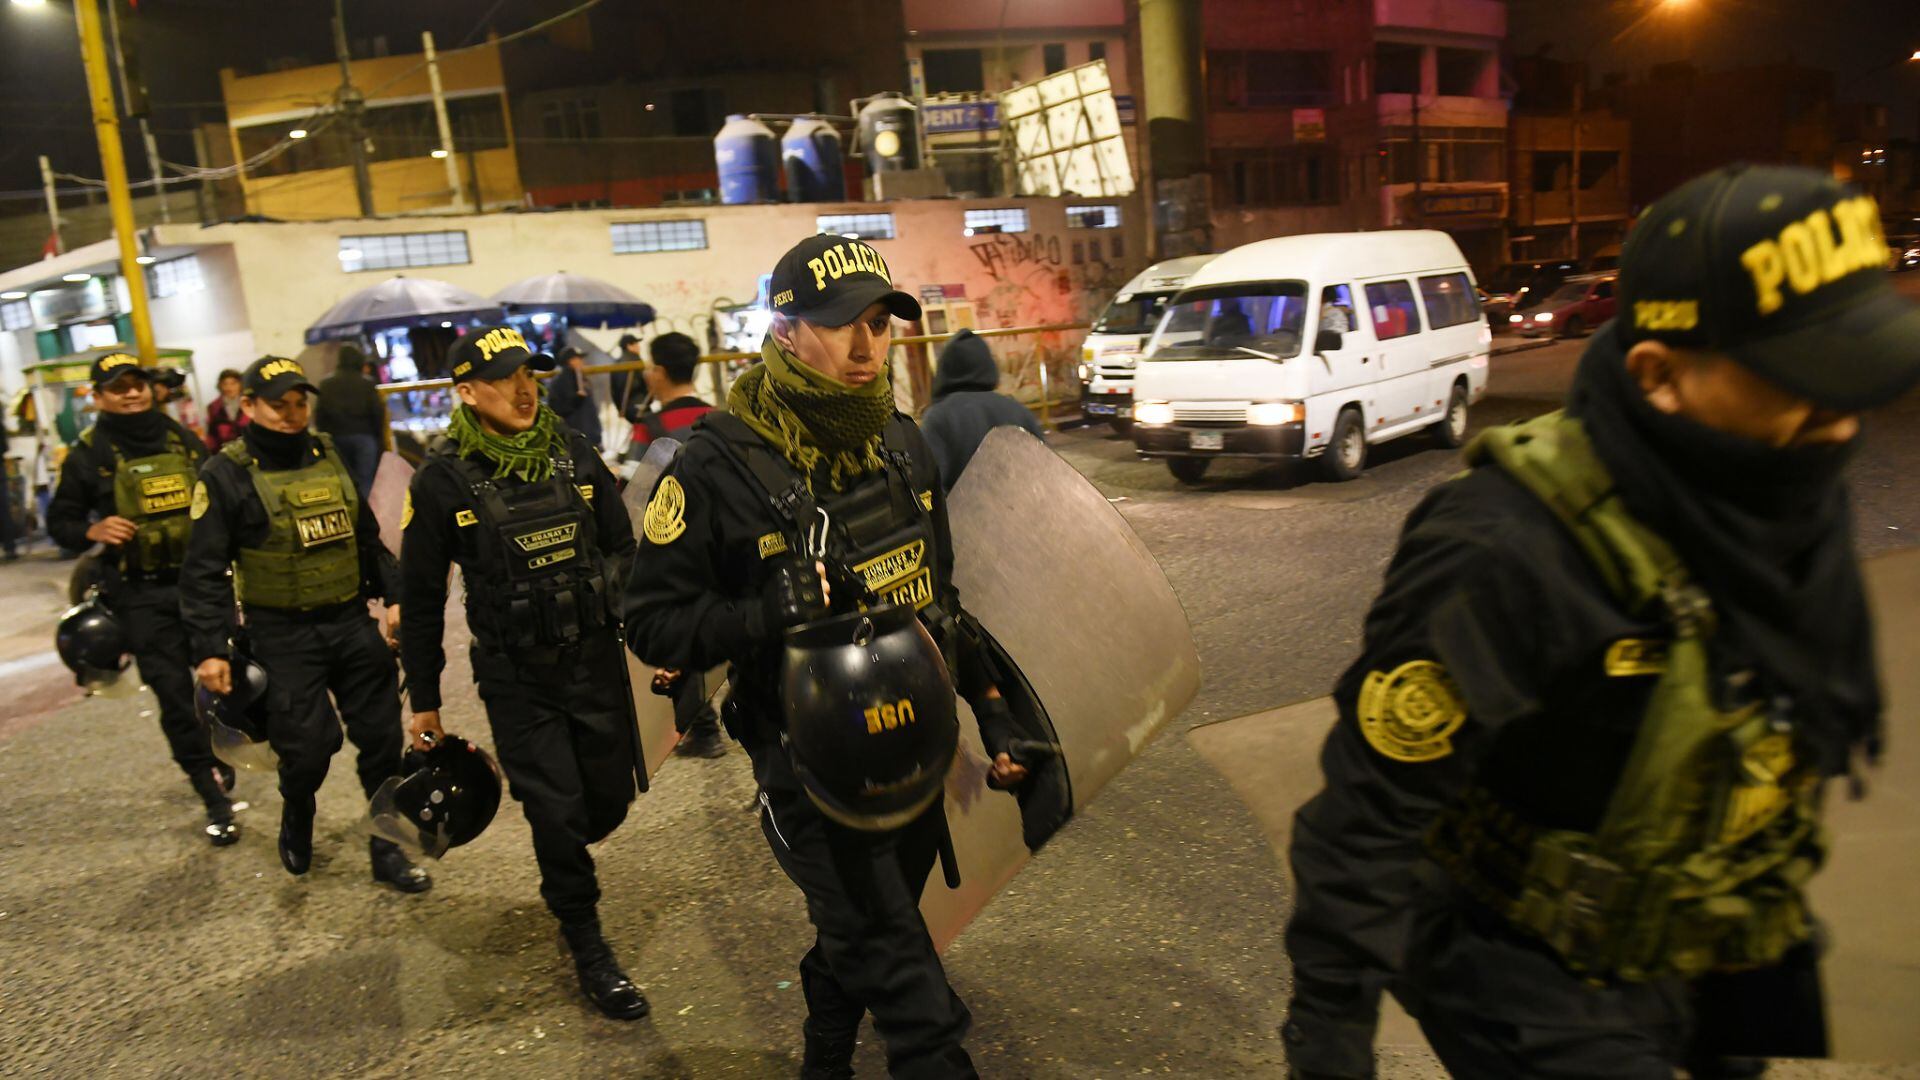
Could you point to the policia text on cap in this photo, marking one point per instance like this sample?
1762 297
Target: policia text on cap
730 558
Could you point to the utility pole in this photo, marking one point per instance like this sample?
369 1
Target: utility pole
446 129
1573 182
354 106
93 52
53 205
159 178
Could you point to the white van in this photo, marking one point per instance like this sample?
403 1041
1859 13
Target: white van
1118 335
1313 347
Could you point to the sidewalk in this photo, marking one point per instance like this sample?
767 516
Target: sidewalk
33 593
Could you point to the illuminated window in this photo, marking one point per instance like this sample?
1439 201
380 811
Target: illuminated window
1105 216
401 251
175 277
1007 219
16 316
857 226
639 237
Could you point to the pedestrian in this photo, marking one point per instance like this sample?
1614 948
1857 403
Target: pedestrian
677 407
629 388
224 416
571 394
1573 796
811 455
127 485
527 509
351 409
967 404
279 527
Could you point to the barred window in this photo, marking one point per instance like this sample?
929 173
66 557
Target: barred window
1104 216
16 316
857 226
639 237
175 277
1006 219
400 251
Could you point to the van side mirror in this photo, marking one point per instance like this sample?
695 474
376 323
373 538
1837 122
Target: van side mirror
1327 341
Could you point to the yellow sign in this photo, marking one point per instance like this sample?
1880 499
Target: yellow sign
889 717
281 367
546 538
1409 714
309 496
324 527
1659 315
772 544
916 592
498 339
1817 250
852 257
550 558
666 516
164 494
464 518
886 569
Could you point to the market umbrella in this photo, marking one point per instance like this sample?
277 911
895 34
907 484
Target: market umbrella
582 301
401 301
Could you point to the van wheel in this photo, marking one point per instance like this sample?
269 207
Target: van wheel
1346 452
1120 425
1451 432
1188 470
1573 328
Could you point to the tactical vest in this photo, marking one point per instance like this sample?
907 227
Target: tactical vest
1700 856
541 581
310 558
881 530
154 492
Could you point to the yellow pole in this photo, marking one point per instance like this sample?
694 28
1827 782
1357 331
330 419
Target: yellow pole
106 123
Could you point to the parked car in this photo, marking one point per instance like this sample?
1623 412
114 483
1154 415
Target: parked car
1519 286
1313 347
1578 306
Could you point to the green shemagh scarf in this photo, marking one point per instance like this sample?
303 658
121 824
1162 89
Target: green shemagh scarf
820 424
528 455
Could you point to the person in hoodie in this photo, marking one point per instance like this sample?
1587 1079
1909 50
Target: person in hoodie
967 404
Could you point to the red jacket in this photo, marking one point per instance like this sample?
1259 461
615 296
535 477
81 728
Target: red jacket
673 418
221 428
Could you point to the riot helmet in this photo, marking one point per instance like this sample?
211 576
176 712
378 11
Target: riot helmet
92 644
237 721
871 726
446 797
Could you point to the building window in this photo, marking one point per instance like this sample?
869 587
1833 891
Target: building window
1396 68
175 277
1267 79
1053 57
1450 300
640 237
394 132
401 251
1447 153
1096 50
575 119
1103 216
1008 219
17 315
1460 70
1394 312
954 71
857 226
1276 176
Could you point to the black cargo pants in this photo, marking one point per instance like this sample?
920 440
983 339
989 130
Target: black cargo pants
564 735
150 613
871 951
309 655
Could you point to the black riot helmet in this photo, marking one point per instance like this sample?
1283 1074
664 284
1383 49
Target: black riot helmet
871 727
92 644
237 721
446 798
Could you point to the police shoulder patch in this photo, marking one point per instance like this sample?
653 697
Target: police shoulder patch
201 501
666 516
1410 713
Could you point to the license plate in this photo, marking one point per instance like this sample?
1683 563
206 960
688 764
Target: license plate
1207 440
1099 410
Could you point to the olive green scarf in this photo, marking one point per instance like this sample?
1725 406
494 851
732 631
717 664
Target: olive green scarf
528 455
825 428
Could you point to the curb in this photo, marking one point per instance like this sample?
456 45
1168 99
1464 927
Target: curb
1522 346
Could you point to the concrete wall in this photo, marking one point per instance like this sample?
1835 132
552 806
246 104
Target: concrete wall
406 186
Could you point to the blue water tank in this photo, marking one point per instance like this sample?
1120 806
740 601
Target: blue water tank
748 158
811 152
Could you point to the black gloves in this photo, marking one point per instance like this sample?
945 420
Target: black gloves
792 595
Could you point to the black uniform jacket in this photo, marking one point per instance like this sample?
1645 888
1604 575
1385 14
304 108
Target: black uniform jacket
441 531
84 494
1494 657
693 600
235 518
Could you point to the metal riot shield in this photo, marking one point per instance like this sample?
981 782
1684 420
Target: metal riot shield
388 498
652 714
1086 641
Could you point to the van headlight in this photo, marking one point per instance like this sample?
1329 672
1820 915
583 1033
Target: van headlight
1273 413
1152 413
1086 372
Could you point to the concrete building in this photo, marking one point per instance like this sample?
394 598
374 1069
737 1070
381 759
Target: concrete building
1686 121
1540 153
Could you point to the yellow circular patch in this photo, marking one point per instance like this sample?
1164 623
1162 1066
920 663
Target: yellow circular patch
200 501
1409 713
406 510
666 512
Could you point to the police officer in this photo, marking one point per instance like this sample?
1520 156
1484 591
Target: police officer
128 485
278 507
528 510
1573 796
811 436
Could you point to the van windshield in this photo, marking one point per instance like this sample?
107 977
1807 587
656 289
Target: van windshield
1139 313
1224 321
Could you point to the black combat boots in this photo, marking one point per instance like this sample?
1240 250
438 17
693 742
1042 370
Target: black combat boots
296 832
212 786
829 1055
392 867
600 976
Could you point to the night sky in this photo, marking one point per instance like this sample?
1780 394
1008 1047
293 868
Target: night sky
43 102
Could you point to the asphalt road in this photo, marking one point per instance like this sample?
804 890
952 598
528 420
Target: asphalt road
1145 939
